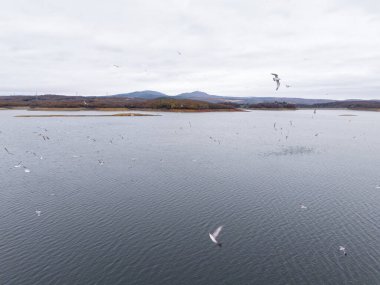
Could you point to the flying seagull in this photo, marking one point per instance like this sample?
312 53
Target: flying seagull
303 207
287 86
8 151
342 248
215 234
19 164
179 53
276 79
117 66
38 213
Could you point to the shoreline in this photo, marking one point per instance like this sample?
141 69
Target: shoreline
124 109
86 116
180 110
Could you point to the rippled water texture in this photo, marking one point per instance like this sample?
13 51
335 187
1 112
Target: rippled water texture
131 200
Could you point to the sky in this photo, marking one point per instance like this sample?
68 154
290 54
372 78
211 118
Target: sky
321 48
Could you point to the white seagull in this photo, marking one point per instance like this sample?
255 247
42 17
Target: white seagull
342 248
19 164
276 79
38 213
215 234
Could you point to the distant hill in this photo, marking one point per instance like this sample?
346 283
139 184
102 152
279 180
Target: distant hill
202 96
147 94
170 103
198 95
137 99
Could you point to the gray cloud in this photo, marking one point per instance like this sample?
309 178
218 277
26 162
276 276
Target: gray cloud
229 47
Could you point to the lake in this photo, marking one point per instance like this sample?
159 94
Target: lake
131 200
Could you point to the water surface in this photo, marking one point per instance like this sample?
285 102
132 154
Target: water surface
143 216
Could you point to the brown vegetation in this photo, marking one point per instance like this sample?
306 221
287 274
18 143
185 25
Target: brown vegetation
76 116
107 103
273 105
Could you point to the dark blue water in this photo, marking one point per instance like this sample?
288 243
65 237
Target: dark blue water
143 217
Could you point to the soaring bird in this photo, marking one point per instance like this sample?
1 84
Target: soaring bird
342 248
215 234
276 79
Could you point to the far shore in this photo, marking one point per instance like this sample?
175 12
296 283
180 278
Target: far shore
179 110
125 109
76 116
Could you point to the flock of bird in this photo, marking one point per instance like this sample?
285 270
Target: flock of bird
216 233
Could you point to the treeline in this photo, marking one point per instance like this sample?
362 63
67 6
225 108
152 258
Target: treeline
273 105
58 101
351 104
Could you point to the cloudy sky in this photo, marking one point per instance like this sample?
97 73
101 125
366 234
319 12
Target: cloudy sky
322 48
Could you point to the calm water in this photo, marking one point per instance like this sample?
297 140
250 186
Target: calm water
144 215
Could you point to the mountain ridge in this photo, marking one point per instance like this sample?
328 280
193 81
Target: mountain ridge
203 96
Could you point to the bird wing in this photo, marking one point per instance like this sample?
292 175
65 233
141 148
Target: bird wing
217 232
213 238
278 84
275 75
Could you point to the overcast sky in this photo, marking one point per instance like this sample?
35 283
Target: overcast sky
322 48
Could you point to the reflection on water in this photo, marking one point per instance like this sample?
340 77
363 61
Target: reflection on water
131 200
